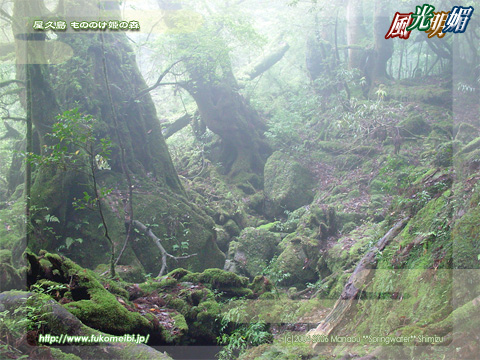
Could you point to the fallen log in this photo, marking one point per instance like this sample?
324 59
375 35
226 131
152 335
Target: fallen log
360 276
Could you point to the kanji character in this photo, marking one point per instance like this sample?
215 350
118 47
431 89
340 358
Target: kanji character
458 18
422 18
134 25
399 25
113 24
61 25
437 24
50 25
38 25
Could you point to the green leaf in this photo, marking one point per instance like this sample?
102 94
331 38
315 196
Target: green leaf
51 218
68 242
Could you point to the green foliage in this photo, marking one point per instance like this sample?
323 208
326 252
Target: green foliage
237 336
73 146
275 273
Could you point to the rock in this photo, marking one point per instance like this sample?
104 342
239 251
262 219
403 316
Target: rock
413 126
288 185
294 264
59 321
253 250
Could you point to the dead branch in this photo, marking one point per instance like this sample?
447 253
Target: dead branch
147 231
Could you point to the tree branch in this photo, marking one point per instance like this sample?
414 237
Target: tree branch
158 242
159 80
14 118
265 63
177 125
8 82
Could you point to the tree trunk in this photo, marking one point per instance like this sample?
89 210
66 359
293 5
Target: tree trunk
81 82
356 34
229 115
376 66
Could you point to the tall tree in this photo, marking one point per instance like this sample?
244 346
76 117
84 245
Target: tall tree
214 87
101 78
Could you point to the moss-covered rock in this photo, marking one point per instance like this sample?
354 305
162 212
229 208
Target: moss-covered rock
288 185
232 228
413 126
260 285
466 133
228 283
296 264
253 250
444 154
57 321
92 303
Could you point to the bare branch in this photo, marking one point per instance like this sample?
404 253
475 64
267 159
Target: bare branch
159 80
158 242
13 118
8 82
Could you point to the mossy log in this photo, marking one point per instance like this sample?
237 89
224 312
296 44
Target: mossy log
356 282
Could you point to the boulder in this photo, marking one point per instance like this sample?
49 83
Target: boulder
288 185
253 250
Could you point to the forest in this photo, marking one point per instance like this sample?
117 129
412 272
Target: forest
239 179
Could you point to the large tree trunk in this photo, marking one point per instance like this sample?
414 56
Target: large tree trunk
229 115
376 65
356 34
99 59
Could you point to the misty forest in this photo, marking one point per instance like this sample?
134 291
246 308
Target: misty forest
239 179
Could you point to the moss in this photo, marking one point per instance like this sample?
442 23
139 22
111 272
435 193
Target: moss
206 324
272 226
178 273
466 240
218 278
159 285
260 285
232 228
6 256
180 322
223 238
471 146
288 185
292 264
413 126
466 133
10 277
97 307
444 155
60 355
255 249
